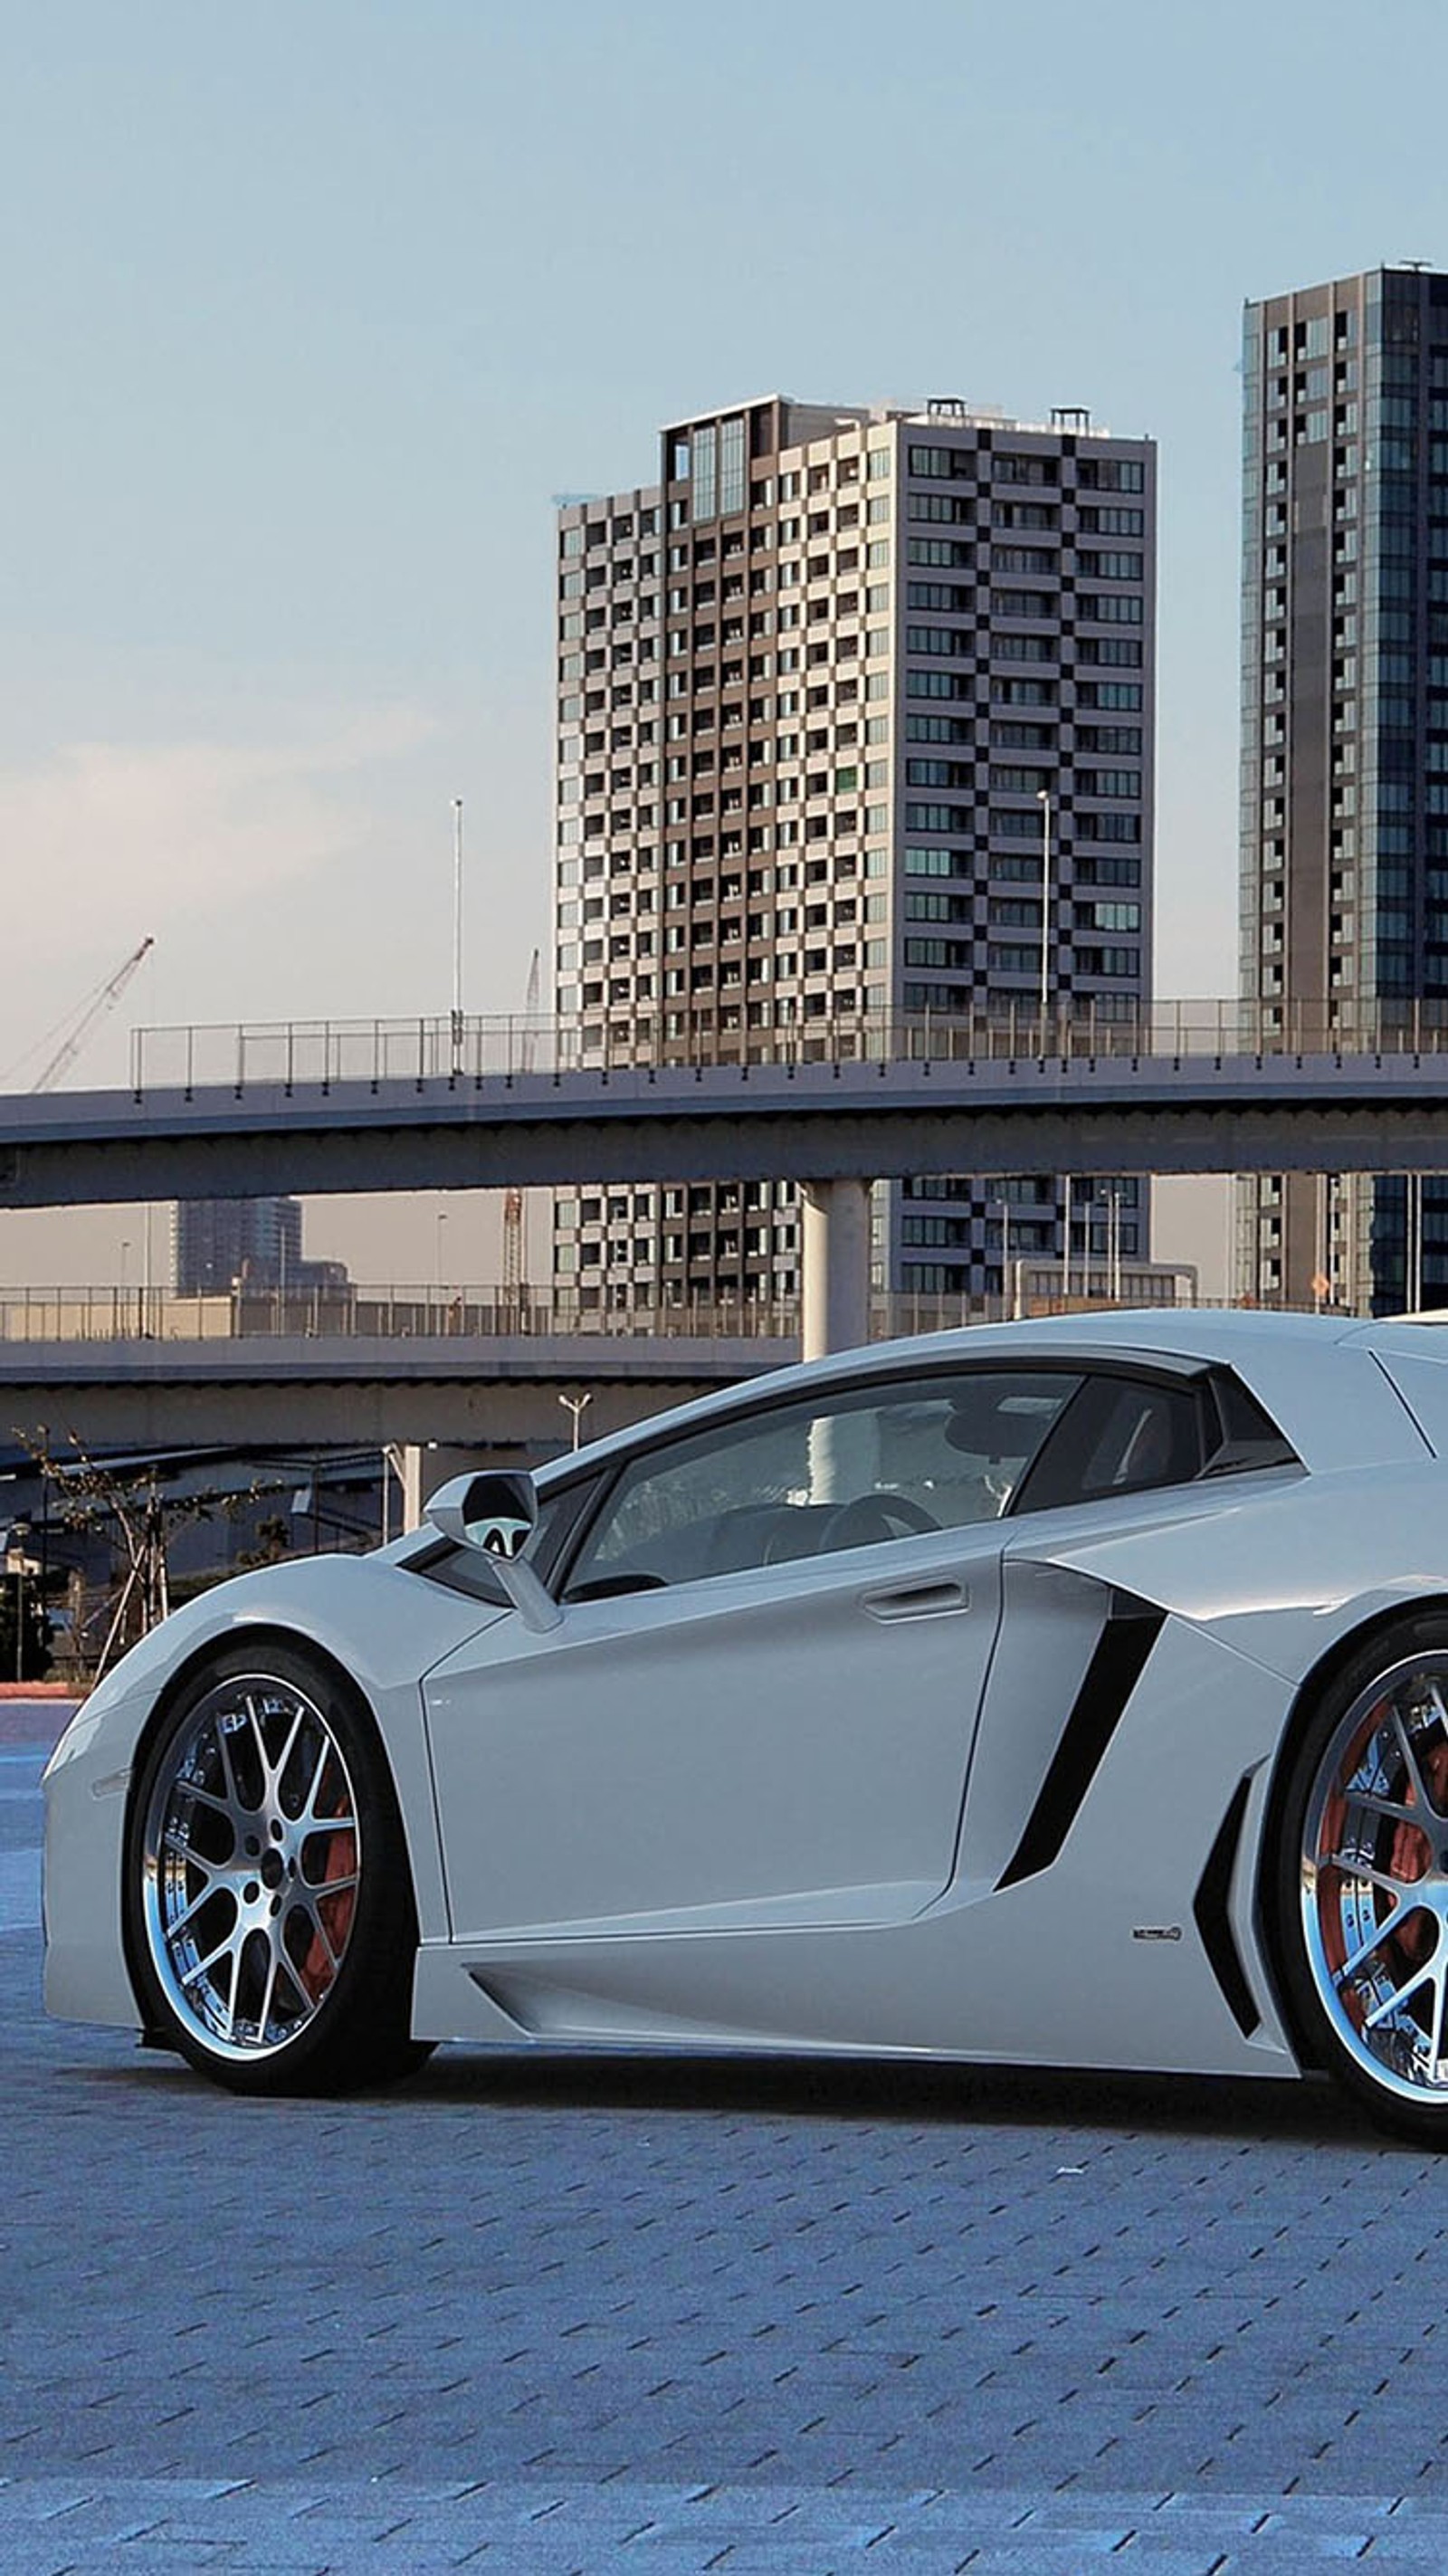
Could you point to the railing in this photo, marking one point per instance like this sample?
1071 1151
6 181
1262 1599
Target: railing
402 1314
315 1054
352 1312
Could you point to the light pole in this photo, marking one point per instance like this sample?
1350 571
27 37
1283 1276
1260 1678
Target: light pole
1111 1261
16 1564
576 1405
1113 1241
437 1264
1043 799
1008 1306
457 994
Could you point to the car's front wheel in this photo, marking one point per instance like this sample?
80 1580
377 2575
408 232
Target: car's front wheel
268 1899
1362 1881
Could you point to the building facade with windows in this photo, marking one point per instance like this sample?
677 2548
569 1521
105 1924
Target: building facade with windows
1344 849
855 736
221 1244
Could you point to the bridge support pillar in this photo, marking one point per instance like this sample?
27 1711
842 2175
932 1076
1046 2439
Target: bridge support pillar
835 1266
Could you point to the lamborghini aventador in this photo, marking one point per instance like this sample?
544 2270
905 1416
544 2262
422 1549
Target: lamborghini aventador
1071 1693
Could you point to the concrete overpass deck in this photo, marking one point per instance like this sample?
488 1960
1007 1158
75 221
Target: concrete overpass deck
351 1391
826 1120
316 1109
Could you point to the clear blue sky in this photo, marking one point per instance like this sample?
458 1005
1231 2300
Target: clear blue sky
309 308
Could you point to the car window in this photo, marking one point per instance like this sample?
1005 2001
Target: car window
1246 1439
1124 1435
838 1469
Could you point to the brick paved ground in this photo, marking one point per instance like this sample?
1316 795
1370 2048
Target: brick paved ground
571 2315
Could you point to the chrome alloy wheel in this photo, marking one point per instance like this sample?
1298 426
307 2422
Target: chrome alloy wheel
251 1858
1374 1879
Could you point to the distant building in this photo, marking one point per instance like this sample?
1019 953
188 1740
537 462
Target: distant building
855 735
221 1244
1344 855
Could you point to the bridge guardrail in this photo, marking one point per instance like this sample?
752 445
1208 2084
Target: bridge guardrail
315 1054
404 1313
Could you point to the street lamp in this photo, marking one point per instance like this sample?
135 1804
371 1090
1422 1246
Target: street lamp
1043 799
577 1406
457 996
1113 1242
18 1564
1009 1304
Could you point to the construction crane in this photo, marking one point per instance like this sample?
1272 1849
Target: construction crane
513 1201
93 1010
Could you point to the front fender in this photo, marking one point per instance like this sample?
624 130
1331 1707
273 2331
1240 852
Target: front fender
385 1627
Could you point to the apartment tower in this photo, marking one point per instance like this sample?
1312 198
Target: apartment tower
855 725
1344 859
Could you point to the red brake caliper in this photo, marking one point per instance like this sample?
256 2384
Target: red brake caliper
341 1862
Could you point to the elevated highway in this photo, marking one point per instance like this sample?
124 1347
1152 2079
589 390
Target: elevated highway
478 1395
378 1106
820 1121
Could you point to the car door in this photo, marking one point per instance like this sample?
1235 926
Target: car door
758 1704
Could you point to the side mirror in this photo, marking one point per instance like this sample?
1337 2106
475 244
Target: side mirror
494 1510
493 1513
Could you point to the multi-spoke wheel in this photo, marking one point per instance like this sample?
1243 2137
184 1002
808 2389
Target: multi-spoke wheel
1363 1884
269 1907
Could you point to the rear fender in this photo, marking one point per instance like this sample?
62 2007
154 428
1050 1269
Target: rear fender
1282 1568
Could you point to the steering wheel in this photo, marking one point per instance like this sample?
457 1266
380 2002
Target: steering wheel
871 1517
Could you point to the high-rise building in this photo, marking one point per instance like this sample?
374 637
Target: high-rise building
1344 860
855 731
221 1244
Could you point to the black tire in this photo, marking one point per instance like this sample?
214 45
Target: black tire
1360 1879
268 1908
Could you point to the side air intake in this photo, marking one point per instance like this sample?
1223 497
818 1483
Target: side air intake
1213 1921
1131 1630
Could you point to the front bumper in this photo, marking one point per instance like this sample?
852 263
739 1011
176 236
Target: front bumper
86 1782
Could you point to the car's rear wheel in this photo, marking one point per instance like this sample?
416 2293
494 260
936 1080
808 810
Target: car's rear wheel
1362 1891
269 1912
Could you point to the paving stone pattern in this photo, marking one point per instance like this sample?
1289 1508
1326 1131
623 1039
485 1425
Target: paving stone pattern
563 2315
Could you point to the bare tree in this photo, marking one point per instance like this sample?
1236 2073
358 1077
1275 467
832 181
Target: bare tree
130 1507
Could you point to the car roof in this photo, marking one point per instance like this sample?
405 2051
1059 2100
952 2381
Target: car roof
1358 1418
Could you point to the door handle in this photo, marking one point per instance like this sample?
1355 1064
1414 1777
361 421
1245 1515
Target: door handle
916 1600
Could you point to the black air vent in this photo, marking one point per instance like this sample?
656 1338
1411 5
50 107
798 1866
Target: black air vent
1131 1630
1209 1909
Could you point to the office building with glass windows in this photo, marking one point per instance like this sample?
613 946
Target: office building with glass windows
221 1244
855 734
1344 851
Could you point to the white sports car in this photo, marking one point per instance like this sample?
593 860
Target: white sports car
1072 1693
